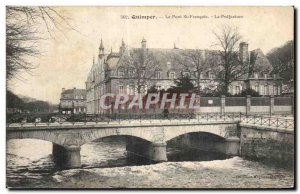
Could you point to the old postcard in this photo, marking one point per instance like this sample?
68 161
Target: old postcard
150 97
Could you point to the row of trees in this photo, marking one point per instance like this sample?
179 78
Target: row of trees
15 102
283 62
184 85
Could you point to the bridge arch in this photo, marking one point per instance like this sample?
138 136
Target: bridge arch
217 130
39 135
138 133
199 133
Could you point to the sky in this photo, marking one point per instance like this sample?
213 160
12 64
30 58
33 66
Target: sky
67 56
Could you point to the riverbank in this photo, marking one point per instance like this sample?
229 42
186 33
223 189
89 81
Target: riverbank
231 173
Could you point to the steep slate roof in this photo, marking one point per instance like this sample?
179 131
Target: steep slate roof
112 61
71 93
259 61
167 60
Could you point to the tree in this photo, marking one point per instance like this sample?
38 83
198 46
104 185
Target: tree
250 92
23 31
13 101
183 84
197 61
232 68
152 90
140 63
282 60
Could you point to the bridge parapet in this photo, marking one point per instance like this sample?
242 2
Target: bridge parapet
120 119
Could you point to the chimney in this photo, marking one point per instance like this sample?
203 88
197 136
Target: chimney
63 89
74 88
244 54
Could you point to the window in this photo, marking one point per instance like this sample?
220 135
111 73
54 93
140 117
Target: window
265 76
201 75
172 75
131 90
238 89
266 91
121 72
256 75
275 90
121 89
158 88
275 76
157 75
142 89
130 73
211 75
256 88
186 74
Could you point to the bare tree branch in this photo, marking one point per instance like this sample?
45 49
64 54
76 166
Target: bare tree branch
232 67
23 32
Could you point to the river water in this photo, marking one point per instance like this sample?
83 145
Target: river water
105 164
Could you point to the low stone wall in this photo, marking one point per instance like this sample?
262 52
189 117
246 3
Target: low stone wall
260 109
235 109
267 145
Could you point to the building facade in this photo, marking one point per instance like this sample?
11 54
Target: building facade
110 73
72 101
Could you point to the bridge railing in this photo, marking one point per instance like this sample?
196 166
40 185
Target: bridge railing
275 122
84 119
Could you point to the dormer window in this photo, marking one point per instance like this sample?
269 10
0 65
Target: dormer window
142 73
211 75
256 75
265 75
186 74
172 75
275 76
121 72
130 73
157 74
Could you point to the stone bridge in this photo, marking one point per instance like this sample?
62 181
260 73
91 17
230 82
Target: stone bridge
68 138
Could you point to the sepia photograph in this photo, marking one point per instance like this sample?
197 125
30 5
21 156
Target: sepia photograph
150 97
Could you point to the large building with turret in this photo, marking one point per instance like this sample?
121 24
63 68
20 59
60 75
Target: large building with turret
110 73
